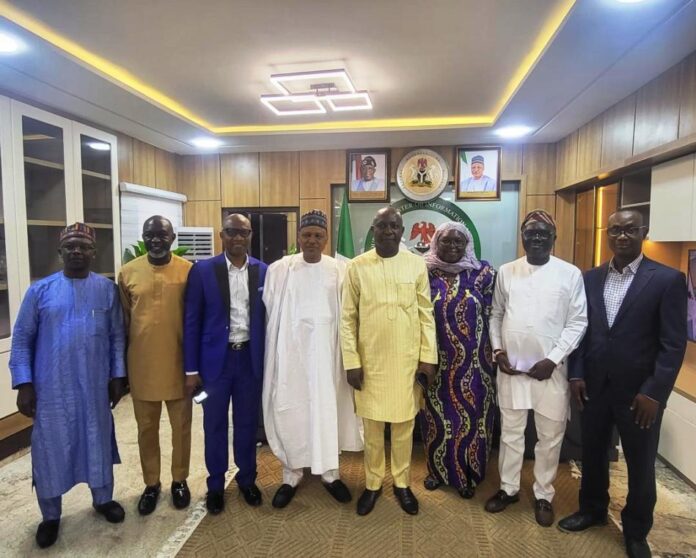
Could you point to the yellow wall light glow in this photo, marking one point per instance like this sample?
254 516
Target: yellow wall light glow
124 78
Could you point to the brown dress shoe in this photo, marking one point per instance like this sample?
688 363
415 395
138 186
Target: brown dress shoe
543 513
500 500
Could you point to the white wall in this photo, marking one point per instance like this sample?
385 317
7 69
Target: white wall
678 435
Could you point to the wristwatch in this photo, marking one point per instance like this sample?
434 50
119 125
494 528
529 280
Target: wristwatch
496 353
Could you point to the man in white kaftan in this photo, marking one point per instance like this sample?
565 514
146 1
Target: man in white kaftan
307 402
539 317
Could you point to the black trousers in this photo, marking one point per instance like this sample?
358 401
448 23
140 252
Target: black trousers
601 413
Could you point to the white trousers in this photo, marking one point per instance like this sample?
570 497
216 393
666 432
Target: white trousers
294 476
546 452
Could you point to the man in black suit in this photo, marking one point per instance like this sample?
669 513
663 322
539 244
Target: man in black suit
622 374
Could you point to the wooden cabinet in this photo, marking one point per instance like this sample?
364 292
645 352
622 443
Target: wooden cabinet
673 200
53 172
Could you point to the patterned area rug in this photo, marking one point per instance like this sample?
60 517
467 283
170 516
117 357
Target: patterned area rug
315 525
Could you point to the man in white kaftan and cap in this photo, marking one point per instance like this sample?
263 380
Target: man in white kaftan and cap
307 403
539 317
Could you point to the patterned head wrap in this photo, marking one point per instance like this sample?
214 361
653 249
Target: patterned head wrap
468 261
78 230
538 216
314 218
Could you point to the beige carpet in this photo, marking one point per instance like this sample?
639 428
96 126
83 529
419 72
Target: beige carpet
314 525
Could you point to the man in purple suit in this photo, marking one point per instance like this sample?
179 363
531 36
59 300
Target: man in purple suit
224 331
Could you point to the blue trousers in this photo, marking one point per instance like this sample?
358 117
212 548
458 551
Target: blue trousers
51 508
238 385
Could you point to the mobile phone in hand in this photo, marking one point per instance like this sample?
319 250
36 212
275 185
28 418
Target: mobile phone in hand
199 395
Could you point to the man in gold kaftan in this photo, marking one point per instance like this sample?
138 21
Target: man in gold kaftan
388 340
152 295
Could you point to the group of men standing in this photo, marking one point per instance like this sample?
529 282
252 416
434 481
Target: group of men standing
292 339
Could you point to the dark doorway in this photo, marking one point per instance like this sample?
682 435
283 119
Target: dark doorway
275 231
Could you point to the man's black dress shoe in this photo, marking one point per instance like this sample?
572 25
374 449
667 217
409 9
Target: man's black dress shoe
579 521
251 494
367 500
148 500
181 495
636 548
47 533
283 496
215 502
112 511
407 500
500 500
338 490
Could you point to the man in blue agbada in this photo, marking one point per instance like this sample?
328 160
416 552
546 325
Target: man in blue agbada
67 365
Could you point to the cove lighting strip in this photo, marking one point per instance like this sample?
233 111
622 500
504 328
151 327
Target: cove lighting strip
553 22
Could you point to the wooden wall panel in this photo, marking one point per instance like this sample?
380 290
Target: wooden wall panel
511 163
617 132
320 169
199 177
539 168
280 179
165 170
144 164
125 158
567 159
657 111
546 202
590 148
687 97
239 179
205 214
565 226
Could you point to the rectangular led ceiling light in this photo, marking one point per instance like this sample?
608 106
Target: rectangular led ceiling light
289 105
338 102
303 82
313 92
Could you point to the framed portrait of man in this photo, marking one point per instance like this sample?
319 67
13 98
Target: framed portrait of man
478 172
368 175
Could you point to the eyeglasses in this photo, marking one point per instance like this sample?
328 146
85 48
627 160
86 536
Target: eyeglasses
456 242
631 232
244 233
530 234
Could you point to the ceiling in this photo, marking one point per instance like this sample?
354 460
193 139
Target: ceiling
438 71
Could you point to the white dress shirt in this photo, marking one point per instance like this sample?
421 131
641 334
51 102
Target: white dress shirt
616 287
239 301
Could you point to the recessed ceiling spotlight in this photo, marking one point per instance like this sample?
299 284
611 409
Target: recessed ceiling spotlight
206 143
99 146
511 132
9 44
630 1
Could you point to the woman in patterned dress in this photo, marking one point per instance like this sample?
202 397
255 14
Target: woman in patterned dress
457 421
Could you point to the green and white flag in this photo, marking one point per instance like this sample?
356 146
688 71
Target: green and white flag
344 245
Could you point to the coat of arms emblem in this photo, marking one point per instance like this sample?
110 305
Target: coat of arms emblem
422 175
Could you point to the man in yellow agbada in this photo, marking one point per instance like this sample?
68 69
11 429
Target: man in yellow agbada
388 340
